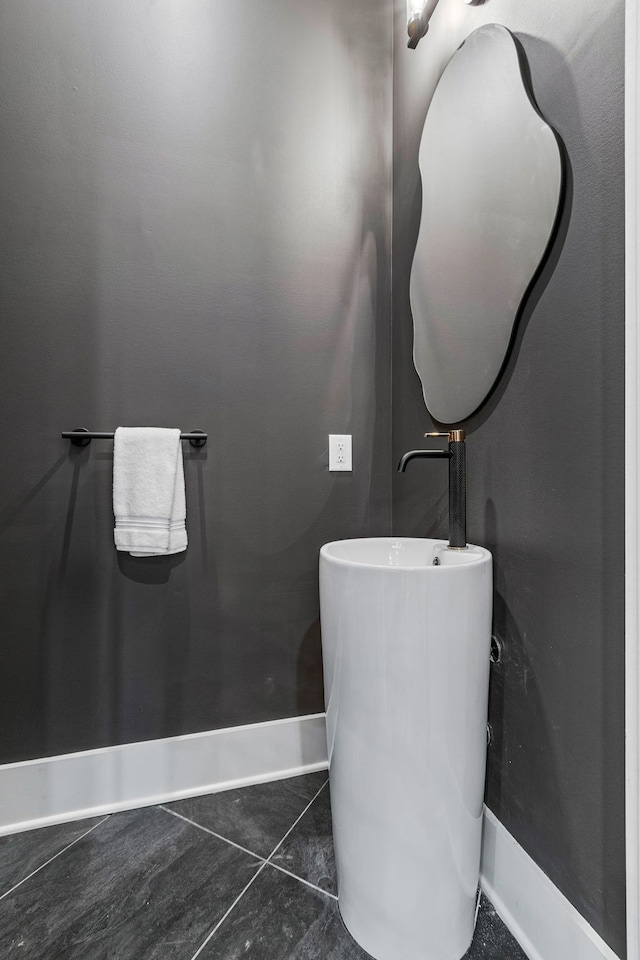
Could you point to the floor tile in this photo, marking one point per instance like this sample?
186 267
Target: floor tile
279 918
144 885
22 853
492 940
308 850
256 817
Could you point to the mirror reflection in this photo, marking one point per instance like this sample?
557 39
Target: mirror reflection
491 186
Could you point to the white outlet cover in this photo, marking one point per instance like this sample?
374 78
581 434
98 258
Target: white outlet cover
340 458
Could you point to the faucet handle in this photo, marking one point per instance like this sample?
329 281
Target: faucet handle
453 436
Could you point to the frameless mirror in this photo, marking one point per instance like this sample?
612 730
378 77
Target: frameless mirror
492 178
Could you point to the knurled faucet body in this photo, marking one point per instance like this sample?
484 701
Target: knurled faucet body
456 455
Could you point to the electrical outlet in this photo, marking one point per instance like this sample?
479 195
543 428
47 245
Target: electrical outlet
339 451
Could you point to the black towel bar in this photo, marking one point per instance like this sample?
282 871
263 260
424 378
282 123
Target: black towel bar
80 437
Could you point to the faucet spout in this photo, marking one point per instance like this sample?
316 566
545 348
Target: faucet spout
456 455
414 454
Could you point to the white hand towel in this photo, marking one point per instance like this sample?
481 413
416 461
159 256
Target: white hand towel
148 491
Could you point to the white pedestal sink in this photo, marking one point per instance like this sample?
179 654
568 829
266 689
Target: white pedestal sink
406 635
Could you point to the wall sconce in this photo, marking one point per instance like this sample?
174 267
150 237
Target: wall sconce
417 20
418 15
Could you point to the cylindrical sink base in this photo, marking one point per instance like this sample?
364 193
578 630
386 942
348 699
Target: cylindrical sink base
406 646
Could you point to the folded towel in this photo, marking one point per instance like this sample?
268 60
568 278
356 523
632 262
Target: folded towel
148 491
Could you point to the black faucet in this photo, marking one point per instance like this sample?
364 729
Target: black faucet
457 482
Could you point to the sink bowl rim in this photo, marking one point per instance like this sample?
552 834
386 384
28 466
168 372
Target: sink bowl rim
484 555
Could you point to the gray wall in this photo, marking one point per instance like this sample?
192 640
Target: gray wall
545 456
194 231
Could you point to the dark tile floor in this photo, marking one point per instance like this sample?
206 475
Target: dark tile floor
244 874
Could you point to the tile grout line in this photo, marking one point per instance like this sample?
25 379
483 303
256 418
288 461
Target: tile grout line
257 856
225 915
54 857
301 880
296 822
218 836
258 871
275 849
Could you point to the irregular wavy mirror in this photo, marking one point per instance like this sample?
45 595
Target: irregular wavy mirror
492 178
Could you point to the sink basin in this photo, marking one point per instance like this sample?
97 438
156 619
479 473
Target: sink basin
403 552
406 635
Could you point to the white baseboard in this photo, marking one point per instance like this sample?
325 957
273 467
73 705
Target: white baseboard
541 918
34 793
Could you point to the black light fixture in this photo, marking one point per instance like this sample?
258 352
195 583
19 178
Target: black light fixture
418 15
417 21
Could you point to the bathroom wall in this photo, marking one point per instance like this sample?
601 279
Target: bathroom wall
194 231
545 455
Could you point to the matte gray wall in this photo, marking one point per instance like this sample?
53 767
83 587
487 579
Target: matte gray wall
545 456
194 232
